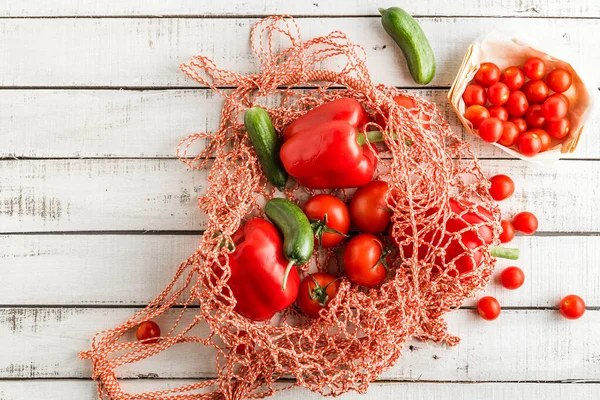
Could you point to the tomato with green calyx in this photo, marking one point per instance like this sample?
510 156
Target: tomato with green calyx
330 219
366 260
315 293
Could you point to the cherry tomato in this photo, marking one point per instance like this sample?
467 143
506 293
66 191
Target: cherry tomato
366 260
572 307
368 208
512 278
536 91
544 137
510 133
476 115
148 330
525 222
498 93
488 308
554 109
559 80
498 112
246 347
533 116
409 104
330 219
517 103
502 187
490 130
520 123
558 129
487 74
508 231
534 68
513 77
529 144
315 293
563 97
474 94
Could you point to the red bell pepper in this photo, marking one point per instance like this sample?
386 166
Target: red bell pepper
257 270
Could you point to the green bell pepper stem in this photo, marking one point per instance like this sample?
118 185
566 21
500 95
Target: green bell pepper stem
377 136
504 252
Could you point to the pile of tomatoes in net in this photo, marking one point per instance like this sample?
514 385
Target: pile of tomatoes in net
522 108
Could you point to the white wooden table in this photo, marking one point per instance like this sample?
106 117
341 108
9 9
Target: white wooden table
95 212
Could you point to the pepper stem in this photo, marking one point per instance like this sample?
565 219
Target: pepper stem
504 252
376 137
286 274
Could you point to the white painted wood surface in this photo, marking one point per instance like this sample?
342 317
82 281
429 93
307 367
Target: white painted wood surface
63 280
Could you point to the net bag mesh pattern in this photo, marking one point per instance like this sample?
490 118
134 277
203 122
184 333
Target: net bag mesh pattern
363 332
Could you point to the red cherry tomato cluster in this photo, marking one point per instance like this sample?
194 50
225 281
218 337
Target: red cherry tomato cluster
516 107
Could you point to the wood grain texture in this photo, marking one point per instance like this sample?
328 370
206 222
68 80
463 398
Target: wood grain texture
147 52
92 195
131 123
526 345
532 8
83 389
133 269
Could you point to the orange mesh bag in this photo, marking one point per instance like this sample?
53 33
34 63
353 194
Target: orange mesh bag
362 333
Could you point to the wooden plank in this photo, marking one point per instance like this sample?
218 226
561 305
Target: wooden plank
133 269
125 123
147 52
532 8
522 345
83 390
91 195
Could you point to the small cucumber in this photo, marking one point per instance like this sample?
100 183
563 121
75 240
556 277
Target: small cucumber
298 239
409 36
266 144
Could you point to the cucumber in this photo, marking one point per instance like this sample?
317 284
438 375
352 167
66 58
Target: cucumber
409 36
298 239
266 144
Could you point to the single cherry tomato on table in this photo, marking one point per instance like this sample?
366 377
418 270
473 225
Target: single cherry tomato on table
490 130
513 77
536 91
487 74
534 68
315 293
474 95
508 231
476 115
572 306
498 112
558 129
329 218
554 109
517 103
525 222
520 123
368 208
544 137
148 330
498 93
529 144
512 278
366 260
510 133
488 308
534 117
502 187
559 80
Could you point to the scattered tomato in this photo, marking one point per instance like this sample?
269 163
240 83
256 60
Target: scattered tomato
513 77
502 187
554 109
366 260
498 112
329 218
315 293
558 129
487 74
544 137
148 330
490 130
534 117
512 278
488 308
536 91
368 208
510 133
517 103
508 231
476 115
474 95
525 222
529 144
498 93
572 307
520 123
534 68
559 80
